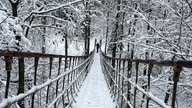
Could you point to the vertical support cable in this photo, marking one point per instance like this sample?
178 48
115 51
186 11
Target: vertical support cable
35 79
87 67
115 83
68 82
136 80
63 96
57 83
65 64
50 69
122 84
129 63
73 75
119 80
69 62
77 82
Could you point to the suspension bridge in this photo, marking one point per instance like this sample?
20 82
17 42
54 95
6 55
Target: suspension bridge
89 81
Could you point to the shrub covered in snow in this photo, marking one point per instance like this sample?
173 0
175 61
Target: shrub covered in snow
11 33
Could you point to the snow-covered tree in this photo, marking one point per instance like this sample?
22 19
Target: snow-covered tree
12 37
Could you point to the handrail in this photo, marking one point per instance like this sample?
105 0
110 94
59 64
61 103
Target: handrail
61 85
179 63
126 85
29 54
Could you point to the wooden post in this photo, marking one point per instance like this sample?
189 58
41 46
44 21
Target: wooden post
100 43
8 63
150 67
122 84
136 80
95 43
21 81
129 63
88 47
177 70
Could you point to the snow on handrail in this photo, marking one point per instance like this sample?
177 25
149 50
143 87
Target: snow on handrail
29 54
179 63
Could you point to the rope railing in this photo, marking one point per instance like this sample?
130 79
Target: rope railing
47 80
133 83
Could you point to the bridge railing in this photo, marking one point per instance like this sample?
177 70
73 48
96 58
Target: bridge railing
146 83
41 80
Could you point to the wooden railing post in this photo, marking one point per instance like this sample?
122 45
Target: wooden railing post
66 64
150 67
177 70
115 77
128 84
122 84
136 80
73 75
21 81
112 72
118 79
68 92
8 63
76 74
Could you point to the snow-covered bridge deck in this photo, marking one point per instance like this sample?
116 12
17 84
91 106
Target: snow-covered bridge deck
94 92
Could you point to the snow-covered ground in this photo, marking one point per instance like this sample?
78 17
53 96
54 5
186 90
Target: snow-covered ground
94 92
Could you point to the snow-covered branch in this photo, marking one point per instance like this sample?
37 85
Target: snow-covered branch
53 9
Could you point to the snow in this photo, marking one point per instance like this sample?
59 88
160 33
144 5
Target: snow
94 92
10 27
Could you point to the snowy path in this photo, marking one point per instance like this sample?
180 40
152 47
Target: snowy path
94 92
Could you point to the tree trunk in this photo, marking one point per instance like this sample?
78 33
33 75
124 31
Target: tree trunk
43 36
107 31
14 6
87 34
21 84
